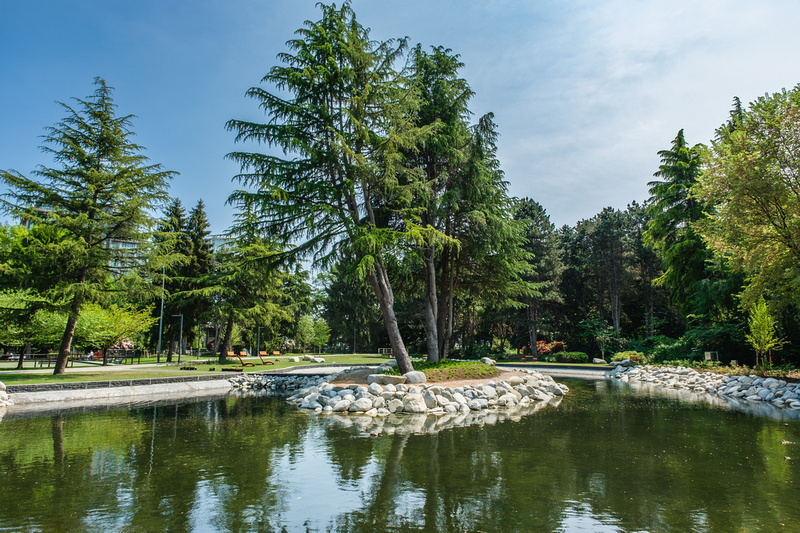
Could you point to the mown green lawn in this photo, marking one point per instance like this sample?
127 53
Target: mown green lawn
204 365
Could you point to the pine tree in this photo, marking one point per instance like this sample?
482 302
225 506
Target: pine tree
341 117
200 264
673 213
101 194
172 230
546 264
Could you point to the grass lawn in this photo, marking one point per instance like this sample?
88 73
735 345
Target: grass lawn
204 365
92 372
546 363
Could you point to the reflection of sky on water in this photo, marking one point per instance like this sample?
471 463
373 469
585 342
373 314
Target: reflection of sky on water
308 487
578 517
610 457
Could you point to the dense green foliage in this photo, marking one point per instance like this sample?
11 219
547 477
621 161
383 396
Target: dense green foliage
374 171
97 201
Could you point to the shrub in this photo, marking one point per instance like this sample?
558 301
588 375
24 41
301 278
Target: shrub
572 357
638 357
544 348
672 349
688 363
477 351
557 346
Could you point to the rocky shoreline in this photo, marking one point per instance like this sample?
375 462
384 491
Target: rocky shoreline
420 407
775 392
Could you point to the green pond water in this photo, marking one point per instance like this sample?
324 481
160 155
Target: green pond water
607 458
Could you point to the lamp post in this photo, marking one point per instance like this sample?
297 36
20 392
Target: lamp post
180 342
258 341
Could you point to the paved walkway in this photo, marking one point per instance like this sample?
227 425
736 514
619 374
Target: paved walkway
81 366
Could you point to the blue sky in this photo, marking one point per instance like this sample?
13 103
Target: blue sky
585 93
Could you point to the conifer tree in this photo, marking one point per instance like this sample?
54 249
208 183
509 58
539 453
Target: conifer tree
200 264
101 193
546 263
673 213
172 230
341 116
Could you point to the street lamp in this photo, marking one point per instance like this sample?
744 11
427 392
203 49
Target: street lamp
258 341
180 342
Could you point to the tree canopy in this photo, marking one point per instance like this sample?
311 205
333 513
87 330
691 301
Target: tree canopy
100 193
753 180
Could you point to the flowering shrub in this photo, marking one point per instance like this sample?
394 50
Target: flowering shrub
636 357
544 348
557 346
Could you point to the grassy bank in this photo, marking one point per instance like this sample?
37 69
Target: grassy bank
203 365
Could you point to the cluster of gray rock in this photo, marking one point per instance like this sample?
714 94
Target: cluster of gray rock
311 358
386 399
425 423
4 399
276 383
776 392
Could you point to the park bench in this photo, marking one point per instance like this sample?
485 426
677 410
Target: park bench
231 355
262 355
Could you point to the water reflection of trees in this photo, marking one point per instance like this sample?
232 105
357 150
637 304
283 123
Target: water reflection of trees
144 469
676 467
637 462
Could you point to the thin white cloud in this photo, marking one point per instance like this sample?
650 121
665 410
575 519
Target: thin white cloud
584 92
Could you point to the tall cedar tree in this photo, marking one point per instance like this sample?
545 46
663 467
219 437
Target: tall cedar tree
463 231
674 212
341 117
542 244
173 230
441 158
101 194
201 263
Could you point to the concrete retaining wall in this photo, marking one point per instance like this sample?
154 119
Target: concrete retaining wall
161 390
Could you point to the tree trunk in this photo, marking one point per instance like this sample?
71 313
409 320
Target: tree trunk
380 283
431 307
66 339
445 316
224 346
533 319
171 344
22 354
613 294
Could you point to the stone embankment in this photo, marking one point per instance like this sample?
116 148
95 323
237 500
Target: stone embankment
775 392
280 384
386 407
322 396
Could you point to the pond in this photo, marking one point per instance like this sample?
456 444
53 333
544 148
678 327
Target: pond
607 458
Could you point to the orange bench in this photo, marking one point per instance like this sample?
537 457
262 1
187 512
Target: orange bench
231 355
